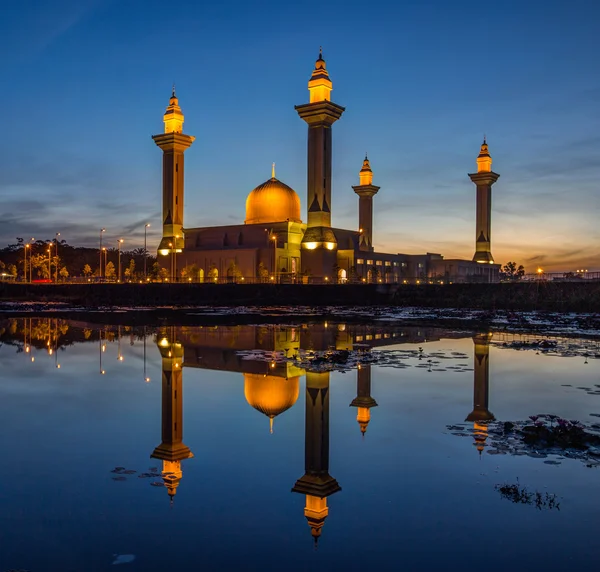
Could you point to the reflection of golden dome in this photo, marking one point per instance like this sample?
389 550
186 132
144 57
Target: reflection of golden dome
273 201
269 394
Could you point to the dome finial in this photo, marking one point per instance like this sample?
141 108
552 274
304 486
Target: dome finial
320 52
271 419
173 91
484 139
273 170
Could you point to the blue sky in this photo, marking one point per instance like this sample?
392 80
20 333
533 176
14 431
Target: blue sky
86 83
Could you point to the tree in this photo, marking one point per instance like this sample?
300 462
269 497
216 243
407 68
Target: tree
234 272
511 273
12 270
109 271
263 273
213 273
190 272
130 270
64 273
87 270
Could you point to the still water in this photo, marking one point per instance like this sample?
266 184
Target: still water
248 448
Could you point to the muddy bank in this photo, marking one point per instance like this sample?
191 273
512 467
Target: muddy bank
526 296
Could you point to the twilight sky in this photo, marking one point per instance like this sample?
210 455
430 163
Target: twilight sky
85 84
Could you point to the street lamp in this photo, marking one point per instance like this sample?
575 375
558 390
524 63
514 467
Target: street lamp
105 257
119 242
100 269
25 262
145 251
274 239
175 259
172 257
49 264
56 269
30 264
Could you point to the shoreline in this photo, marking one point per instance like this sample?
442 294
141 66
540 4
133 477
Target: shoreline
545 323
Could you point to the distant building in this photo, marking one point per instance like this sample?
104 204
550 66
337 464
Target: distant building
275 244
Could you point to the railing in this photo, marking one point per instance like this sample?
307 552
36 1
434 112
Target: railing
563 276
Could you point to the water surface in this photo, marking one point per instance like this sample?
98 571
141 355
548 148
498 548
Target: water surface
246 459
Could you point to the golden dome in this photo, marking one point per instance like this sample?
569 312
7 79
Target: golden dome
269 394
273 201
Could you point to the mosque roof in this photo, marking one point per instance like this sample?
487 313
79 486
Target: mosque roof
273 201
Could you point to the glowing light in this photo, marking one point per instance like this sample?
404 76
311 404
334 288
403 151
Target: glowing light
329 245
163 251
163 343
120 358
539 271
147 380
311 245
32 359
57 366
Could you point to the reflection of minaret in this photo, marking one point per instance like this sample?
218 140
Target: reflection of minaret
172 450
363 399
484 179
365 191
481 415
316 483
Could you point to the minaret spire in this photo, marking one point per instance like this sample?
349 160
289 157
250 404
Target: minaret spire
484 179
273 170
319 243
365 191
173 143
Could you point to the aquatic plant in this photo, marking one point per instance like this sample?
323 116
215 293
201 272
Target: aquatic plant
520 495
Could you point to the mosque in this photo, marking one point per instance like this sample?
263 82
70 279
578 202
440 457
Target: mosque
274 243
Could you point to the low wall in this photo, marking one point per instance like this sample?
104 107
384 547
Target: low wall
549 296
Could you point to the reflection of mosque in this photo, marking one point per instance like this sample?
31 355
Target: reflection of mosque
271 387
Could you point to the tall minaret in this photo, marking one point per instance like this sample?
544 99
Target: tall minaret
316 483
481 415
484 179
363 400
365 190
173 143
320 114
172 450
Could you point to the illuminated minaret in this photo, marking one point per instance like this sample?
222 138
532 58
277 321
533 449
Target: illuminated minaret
481 415
363 399
173 143
320 114
172 450
365 191
316 483
484 179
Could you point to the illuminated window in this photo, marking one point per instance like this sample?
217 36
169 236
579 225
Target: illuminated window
378 263
360 261
404 265
420 265
388 263
370 262
395 264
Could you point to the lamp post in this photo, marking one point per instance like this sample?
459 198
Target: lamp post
172 257
119 242
25 262
105 257
175 259
274 239
49 264
100 269
30 264
56 268
145 250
